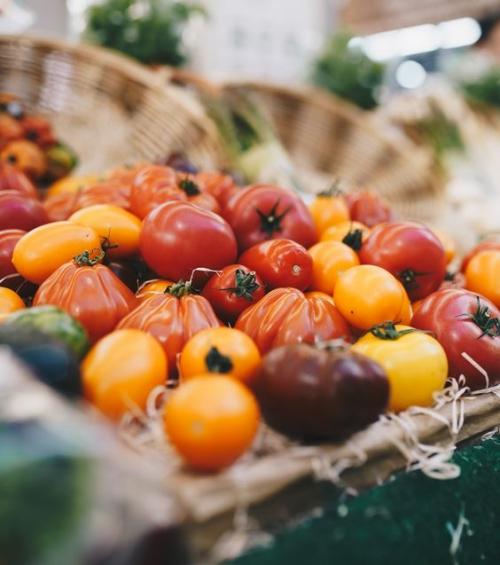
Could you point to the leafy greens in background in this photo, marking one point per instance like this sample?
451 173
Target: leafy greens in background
484 90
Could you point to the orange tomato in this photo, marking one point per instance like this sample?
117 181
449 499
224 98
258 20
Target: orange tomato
330 258
321 295
211 421
447 242
25 156
71 184
9 302
41 251
340 231
114 225
221 350
482 275
150 288
328 210
367 295
120 371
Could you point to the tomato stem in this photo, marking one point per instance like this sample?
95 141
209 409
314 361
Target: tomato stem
245 284
216 362
89 258
180 288
388 331
409 278
189 187
354 239
271 222
482 318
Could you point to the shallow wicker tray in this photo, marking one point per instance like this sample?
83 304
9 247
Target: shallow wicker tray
110 109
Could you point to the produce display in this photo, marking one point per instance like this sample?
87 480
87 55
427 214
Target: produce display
243 305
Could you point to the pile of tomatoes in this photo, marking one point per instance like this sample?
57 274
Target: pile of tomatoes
247 302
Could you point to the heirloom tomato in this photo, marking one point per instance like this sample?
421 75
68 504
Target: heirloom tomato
72 184
411 252
226 351
153 185
232 290
487 245
368 207
25 156
328 209
329 259
9 302
8 240
178 237
368 295
41 251
221 186
152 288
211 421
280 263
20 212
265 211
60 206
13 179
121 370
194 194
353 234
468 327
415 363
286 316
88 291
109 191
482 275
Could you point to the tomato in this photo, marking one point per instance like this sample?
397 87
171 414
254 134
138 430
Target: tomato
211 421
219 185
368 207
280 263
38 130
121 370
152 288
114 225
368 295
328 209
487 245
464 323
329 259
72 184
8 240
60 206
319 294
13 179
172 318
20 212
153 185
41 251
195 194
232 290
411 252
25 156
90 293
286 316
177 238
450 249
10 129
482 275
353 234
111 191
453 280
265 211
415 363
9 302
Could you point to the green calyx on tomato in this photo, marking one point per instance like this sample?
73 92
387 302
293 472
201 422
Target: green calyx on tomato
409 278
89 258
482 318
218 363
245 285
189 187
181 288
353 239
388 331
271 222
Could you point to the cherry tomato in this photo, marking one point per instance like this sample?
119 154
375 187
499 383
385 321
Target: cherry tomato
211 421
41 251
172 318
487 245
25 156
329 259
13 179
114 225
415 363
72 185
152 288
368 295
226 351
411 252
9 302
232 290
264 211
8 240
467 324
89 292
121 370
177 238
353 234
280 263
368 207
286 316
328 209
450 249
482 275
20 212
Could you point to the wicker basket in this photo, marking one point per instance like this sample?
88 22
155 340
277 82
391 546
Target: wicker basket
108 108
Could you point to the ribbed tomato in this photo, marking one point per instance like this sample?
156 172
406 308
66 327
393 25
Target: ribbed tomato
221 186
153 185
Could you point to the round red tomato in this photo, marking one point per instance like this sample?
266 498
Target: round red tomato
8 240
464 323
368 207
487 245
264 211
14 179
286 315
232 290
411 252
177 238
20 212
280 263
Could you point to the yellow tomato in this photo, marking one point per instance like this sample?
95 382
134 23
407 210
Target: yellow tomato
482 275
72 184
327 211
367 295
340 231
114 225
9 302
221 350
415 363
121 370
150 288
447 242
43 250
329 259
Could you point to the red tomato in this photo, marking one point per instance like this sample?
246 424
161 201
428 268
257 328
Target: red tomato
172 320
219 185
280 263
60 207
38 130
90 293
19 212
8 240
233 290
14 179
488 245
264 211
464 322
153 185
411 252
177 238
368 207
286 316
195 194
112 191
